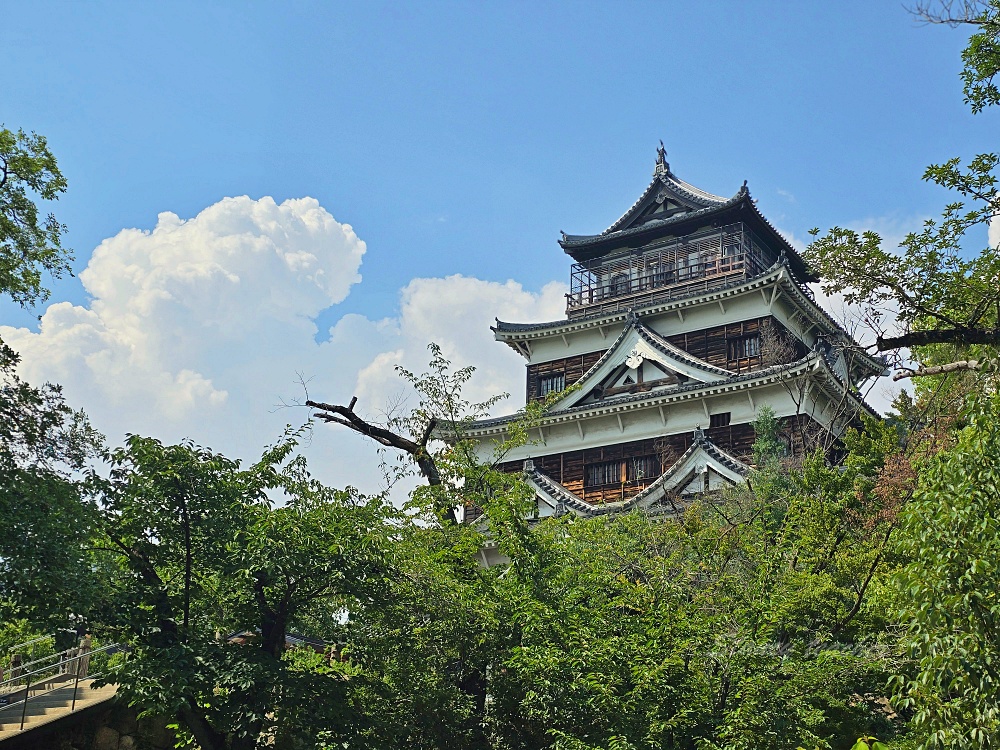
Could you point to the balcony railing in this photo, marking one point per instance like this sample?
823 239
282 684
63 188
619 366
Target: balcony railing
682 268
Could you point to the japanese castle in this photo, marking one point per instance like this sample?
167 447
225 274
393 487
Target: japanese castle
684 317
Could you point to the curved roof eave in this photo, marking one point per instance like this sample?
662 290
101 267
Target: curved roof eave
814 361
687 362
775 373
511 333
667 179
556 491
572 241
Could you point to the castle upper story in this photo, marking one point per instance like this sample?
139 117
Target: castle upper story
675 241
684 318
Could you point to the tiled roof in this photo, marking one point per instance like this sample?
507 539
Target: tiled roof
668 179
581 240
503 330
657 341
767 375
561 495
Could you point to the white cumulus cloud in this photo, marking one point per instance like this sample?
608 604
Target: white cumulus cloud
456 313
198 328
178 310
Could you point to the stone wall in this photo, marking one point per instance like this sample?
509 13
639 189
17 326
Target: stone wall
103 727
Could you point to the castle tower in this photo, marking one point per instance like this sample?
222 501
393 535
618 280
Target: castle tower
684 318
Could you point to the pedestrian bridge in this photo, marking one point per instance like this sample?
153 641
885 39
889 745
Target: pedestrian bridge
35 692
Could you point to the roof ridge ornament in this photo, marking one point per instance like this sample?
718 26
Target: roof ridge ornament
662 167
699 435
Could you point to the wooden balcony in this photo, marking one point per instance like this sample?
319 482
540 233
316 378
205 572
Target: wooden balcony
684 267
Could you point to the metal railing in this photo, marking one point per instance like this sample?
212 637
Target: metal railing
679 268
49 673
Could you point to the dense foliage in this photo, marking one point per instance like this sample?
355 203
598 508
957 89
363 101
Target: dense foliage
820 604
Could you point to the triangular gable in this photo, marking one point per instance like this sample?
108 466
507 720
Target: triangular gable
639 346
666 196
704 467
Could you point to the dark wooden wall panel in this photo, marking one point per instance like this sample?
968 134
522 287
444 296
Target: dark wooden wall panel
573 367
710 344
569 468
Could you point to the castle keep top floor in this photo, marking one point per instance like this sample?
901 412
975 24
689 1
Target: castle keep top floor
704 270
675 241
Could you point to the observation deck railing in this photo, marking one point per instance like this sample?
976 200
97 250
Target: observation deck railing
684 267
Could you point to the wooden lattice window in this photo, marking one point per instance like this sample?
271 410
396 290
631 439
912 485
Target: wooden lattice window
642 468
619 284
603 473
744 347
720 420
638 469
552 383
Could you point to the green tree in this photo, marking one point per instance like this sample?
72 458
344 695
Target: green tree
195 552
30 245
756 620
44 511
945 293
949 590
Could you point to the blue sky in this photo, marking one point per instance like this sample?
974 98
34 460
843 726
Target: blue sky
459 138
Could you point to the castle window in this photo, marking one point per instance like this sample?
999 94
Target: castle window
730 256
744 347
639 469
606 472
720 420
662 274
642 468
551 383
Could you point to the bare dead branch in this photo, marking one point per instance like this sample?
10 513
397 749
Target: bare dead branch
962 364
948 12
940 336
346 416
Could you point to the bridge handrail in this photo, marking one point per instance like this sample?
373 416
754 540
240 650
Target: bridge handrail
28 696
77 657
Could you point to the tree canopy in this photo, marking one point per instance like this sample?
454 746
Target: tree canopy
30 245
940 286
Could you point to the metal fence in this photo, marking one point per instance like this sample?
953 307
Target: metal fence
44 675
678 268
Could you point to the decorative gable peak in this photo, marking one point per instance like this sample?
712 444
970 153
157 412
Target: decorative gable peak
662 167
639 360
667 196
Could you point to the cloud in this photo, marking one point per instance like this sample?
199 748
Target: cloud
993 232
880 393
197 328
177 310
456 313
